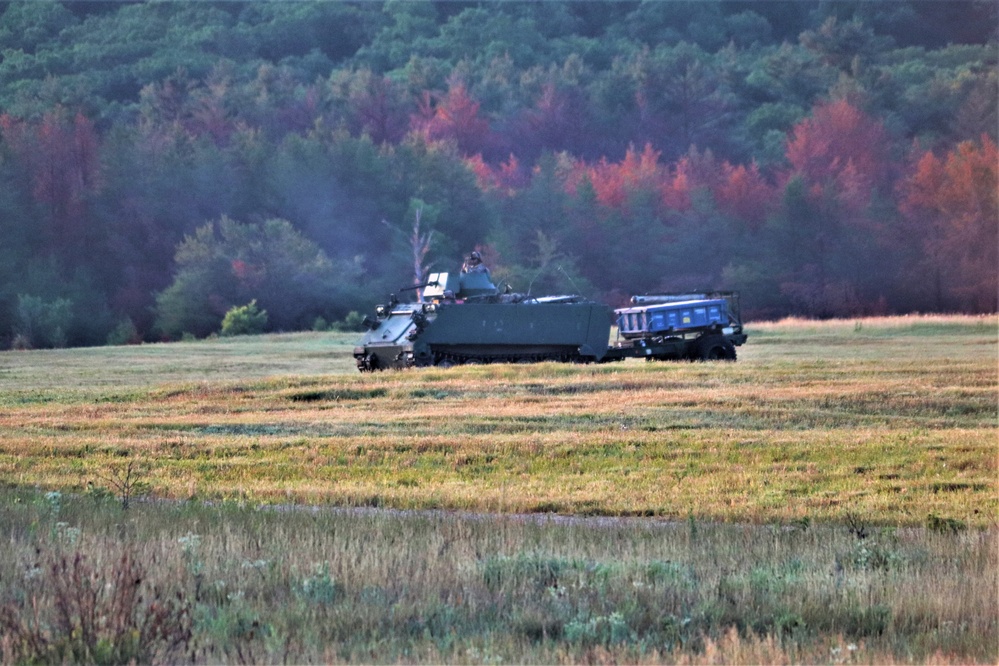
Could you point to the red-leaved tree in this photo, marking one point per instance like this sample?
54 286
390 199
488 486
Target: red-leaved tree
745 194
61 155
455 116
952 204
506 178
841 148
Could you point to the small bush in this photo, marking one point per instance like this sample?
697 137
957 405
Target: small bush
527 570
320 587
605 630
244 320
866 621
124 333
78 616
43 323
127 481
935 523
875 555
353 322
21 342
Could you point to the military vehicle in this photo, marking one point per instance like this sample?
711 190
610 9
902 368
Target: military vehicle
465 319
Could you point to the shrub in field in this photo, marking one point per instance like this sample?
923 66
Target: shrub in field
353 322
21 342
603 630
952 526
526 570
124 333
77 616
319 587
244 320
126 481
43 323
226 262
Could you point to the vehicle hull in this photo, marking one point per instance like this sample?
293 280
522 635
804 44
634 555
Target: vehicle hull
455 333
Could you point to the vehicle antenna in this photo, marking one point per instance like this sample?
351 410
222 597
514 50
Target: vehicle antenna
531 286
571 281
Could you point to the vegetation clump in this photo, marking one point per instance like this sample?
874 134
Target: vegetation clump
244 320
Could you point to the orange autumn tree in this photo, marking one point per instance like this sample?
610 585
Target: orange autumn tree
506 178
615 182
745 194
830 237
453 116
952 204
842 149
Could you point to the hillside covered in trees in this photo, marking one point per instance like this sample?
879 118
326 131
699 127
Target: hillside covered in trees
162 162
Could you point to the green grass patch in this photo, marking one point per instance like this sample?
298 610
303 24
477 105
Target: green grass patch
228 582
817 420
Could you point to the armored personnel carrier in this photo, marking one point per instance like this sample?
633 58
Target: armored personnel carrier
465 319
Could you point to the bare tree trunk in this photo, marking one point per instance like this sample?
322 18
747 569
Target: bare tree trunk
420 244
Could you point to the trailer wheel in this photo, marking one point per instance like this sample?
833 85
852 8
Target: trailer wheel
714 348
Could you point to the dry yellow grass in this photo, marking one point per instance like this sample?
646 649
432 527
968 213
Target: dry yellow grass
891 420
865 453
915 320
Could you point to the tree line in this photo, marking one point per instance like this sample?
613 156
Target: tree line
162 163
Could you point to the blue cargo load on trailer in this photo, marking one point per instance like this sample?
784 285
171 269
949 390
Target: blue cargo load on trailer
701 326
673 318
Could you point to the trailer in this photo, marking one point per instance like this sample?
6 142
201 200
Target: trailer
705 326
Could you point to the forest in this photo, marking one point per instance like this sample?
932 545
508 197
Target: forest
163 162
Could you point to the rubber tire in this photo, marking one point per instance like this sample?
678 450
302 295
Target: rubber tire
714 348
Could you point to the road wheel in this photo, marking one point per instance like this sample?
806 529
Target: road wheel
367 363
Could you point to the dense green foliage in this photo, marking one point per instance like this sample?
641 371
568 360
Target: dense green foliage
244 320
825 158
229 263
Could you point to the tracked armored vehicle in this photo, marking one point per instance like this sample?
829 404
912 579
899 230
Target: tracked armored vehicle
465 319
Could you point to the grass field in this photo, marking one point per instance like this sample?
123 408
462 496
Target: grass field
831 497
890 419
